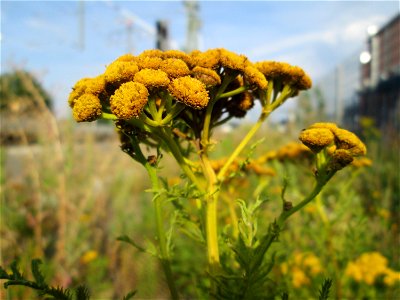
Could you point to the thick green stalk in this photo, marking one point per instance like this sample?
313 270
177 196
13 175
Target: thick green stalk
176 152
211 215
162 239
222 173
161 235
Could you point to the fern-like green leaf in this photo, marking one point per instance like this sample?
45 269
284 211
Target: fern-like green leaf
82 293
130 295
324 292
37 274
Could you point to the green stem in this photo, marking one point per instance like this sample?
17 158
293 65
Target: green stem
286 214
207 119
277 226
176 152
222 173
176 109
108 116
211 214
233 92
162 239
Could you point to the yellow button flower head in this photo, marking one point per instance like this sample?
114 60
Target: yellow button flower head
344 139
317 138
178 54
189 91
148 62
207 59
129 100
340 159
151 53
86 108
330 126
174 67
286 73
152 78
86 85
120 71
255 77
126 57
231 60
208 76
349 141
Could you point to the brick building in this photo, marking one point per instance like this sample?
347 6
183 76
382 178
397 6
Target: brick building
379 94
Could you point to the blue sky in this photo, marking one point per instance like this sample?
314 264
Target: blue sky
44 36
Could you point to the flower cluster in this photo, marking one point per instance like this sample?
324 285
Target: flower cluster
302 267
369 267
341 146
292 151
161 88
243 165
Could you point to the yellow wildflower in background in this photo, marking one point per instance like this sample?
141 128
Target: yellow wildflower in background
88 256
391 277
361 162
301 268
299 278
369 266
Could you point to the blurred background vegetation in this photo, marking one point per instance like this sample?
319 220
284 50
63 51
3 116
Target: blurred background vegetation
67 193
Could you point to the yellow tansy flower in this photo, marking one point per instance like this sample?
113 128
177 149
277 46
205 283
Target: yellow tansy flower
88 256
208 76
120 71
391 277
175 67
86 108
86 86
129 100
189 91
316 138
152 78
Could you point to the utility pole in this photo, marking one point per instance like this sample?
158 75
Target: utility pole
81 16
162 41
193 25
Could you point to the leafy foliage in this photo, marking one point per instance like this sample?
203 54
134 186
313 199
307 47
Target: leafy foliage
14 86
16 278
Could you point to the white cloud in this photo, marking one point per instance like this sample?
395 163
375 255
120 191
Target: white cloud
352 33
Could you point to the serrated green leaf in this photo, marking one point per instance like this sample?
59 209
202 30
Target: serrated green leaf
82 293
16 274
325 289
3 274
37 275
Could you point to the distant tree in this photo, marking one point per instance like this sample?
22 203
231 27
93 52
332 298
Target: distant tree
21 88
